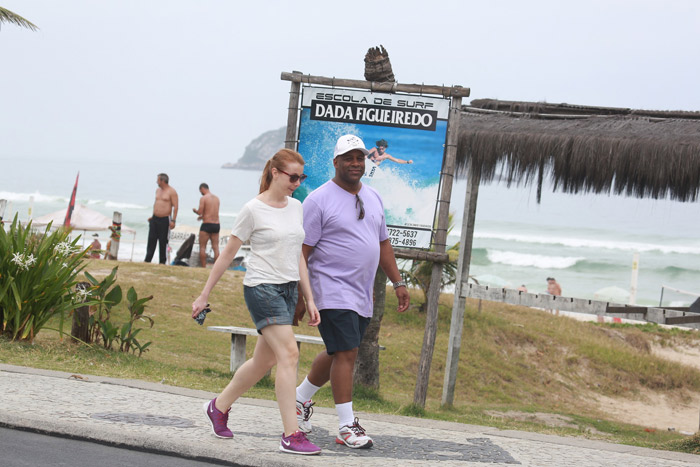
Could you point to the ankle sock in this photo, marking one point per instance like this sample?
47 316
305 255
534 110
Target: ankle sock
345 414
306 390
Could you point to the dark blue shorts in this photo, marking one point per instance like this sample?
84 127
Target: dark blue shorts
271 303
341 329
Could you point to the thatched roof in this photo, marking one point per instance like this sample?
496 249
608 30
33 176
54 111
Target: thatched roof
583 149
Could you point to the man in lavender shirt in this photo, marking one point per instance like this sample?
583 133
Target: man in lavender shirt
346 239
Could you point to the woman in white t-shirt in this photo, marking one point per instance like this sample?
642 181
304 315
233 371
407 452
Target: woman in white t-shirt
272 221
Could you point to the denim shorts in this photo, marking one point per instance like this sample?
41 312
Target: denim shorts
271 303
341 329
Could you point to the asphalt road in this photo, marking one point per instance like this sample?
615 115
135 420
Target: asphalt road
27 449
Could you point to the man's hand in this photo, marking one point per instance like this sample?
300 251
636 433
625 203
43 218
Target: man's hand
314 315
299 311
404 299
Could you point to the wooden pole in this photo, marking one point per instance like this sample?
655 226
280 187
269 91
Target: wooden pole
388 86
116 235
367 363
465 254
290 140
635 277
81 317
433 296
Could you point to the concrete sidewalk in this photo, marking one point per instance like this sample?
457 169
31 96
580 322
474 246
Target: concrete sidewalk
155 417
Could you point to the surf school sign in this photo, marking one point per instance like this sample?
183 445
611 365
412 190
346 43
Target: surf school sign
405 135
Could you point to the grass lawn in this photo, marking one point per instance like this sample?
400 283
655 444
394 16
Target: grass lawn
513 360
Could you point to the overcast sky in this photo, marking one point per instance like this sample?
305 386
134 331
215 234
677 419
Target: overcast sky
199 79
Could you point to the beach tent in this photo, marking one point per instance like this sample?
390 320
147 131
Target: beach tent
84 219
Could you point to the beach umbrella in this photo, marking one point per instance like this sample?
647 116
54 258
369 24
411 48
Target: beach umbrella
612 293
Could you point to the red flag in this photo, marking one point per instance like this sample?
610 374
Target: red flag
71 204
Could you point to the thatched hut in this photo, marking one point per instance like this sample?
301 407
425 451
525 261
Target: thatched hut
581 149
637 153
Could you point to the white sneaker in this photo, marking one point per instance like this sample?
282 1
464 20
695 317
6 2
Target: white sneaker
304 412
354 436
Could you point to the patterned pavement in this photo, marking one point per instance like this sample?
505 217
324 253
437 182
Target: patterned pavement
159 418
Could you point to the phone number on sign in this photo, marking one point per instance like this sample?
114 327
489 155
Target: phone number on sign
400 237
395 233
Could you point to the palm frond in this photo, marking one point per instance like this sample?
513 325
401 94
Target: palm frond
6 16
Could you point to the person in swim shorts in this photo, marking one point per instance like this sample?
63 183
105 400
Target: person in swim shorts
208 213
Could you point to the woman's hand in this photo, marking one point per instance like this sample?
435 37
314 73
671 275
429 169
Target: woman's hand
198 305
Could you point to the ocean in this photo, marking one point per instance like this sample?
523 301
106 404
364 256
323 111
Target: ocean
587 242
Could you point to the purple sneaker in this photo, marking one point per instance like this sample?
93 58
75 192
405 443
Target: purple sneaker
217 420
298 443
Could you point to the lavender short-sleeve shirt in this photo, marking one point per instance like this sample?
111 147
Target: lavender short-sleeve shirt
345 252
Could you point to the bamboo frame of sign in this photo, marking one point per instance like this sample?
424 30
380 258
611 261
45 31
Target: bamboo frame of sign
439 256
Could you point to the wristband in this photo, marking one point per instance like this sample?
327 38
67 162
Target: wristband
401 283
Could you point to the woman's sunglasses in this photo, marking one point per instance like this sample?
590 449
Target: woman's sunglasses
294 177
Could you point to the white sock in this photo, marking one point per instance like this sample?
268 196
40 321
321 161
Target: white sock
306 390
345 414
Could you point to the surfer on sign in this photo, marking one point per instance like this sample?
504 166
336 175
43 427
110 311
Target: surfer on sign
378 154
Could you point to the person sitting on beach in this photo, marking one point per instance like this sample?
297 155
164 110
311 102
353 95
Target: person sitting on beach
272 221
208 213
378 154
95 247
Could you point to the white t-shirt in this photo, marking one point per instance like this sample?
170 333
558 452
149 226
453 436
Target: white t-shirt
275 235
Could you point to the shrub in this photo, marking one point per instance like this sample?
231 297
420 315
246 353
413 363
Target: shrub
108 295
37 278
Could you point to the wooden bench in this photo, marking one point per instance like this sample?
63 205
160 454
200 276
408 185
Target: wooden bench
238 338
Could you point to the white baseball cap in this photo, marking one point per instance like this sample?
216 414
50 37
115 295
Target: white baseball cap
347 143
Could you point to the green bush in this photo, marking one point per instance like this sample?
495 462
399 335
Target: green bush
37 278
107 295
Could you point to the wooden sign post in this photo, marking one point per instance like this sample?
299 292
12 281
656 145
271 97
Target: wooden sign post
116 235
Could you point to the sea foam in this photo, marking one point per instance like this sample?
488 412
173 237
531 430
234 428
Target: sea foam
537 261
590 243
38 197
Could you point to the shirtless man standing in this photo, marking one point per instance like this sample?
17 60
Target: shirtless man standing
163 219
553 288
208 213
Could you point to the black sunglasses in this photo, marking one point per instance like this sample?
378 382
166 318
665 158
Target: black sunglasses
358 200
294 177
